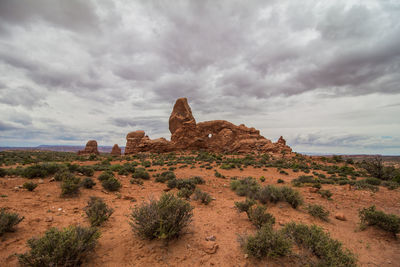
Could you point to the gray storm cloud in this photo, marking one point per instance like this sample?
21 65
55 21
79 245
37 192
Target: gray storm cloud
102 68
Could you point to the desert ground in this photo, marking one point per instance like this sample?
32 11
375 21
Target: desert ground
118 245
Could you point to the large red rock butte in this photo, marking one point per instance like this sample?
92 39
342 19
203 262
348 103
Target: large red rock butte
213 136
90 148
116 150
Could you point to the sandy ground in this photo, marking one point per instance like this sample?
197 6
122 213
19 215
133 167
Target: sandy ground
118 245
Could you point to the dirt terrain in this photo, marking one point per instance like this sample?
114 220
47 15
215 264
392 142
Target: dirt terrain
119 246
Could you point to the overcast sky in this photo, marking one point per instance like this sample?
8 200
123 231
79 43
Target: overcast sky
324 74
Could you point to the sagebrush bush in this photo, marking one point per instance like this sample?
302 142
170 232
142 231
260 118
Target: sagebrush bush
88 183
391 185
67 247
325 194
364 185
63 174
318 211
246 187
204 197
372 180
30 186
136 181
97 211
267 243
70 186
141 173
164 218
3 172
244 206
111 184
185 193
185 183
86 170
274 194
372 217
8 220
328 251
259 217
165 176
106 175
41 170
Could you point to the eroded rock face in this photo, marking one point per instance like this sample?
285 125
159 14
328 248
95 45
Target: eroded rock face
216 136
116 150
90 148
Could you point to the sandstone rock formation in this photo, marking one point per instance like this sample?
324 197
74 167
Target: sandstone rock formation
216 136
90 148
116 150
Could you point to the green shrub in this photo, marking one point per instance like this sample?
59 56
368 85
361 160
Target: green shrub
390 185
165 176
136 181
86 170
363 185
262 179
8 221
70 186
291 196
30 186
61 175
163 219
372 217
141 173
204 197
372 181
325 194
259 217
274 194
187 183
218 175
88 183
106 175
246 187
185 193
97 211
68 247
244 206
318 211
41 170
111 184
327 250
280 181
267 243
3 172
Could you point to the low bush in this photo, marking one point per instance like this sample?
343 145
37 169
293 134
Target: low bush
328 251
141 173
61 175
244 206
372 180
185 183
390 185
106 175
266 243
8 221
67 247
372 217
325 194
274 194
185 193
363 185
3 172
318 211
88 183
41 170
246 187
111 184
97 211
259 217
86 170
280 181
164 218
136 181
70 186
165 176
30 186
204 197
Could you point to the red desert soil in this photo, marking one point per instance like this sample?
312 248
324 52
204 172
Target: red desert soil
119 246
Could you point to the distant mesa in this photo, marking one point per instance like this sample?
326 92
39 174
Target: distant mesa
90 148
213 136
116 150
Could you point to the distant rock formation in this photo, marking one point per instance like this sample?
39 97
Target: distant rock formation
215 136
90 148
116 150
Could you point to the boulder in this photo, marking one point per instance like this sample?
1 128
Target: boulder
90 148
116 150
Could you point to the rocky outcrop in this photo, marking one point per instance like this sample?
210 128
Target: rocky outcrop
116 150
90 148
216 136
